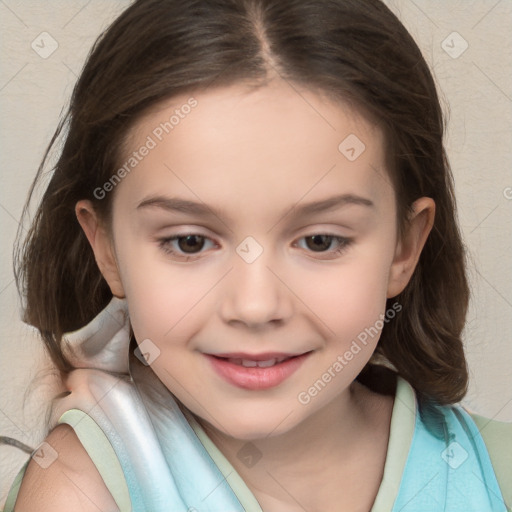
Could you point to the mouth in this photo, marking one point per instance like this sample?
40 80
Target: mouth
256 371
263 360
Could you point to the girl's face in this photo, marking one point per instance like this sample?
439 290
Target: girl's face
256 225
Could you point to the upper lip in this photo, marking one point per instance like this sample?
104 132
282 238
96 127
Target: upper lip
266 356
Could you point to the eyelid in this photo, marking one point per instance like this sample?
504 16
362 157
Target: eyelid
165 244
344 243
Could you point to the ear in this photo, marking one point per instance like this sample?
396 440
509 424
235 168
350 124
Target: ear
101 244
408 249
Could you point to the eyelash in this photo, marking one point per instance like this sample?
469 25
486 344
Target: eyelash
166 245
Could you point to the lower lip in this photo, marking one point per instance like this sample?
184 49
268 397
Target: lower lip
256 377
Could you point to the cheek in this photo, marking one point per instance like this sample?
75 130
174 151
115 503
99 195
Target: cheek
349 297
159 294
164 305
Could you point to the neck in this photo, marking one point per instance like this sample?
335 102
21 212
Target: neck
328 446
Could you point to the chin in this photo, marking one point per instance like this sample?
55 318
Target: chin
251 426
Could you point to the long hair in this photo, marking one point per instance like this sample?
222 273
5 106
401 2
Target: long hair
356 51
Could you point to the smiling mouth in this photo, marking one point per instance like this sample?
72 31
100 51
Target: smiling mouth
256 372
252 363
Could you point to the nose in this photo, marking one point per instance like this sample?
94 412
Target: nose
255 295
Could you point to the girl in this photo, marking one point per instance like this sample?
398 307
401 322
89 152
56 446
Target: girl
248 270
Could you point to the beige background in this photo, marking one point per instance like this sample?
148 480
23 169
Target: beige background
475 85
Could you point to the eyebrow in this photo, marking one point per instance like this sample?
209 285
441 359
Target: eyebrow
185 206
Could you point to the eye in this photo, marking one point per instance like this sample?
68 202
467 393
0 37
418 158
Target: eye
326 243
189 245
185 245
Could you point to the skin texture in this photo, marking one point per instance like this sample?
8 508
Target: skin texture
71 482
252 156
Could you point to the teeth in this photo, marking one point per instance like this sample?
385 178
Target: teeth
261 364
266 364
248 363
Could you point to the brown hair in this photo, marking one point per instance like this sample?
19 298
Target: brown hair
352 50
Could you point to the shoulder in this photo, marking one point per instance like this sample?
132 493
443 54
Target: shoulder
65 478
490 424
497 436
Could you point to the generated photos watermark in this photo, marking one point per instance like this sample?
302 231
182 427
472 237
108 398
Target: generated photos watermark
152 141
342 360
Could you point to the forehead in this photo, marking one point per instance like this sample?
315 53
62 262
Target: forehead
236 146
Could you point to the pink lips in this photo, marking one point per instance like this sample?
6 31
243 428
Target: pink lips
256 377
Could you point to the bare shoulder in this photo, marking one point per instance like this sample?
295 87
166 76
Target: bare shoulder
64 478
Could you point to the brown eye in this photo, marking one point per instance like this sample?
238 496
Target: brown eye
190 243
319 243
186 245
325 245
